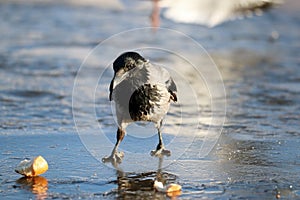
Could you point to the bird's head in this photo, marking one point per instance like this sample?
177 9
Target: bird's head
128 61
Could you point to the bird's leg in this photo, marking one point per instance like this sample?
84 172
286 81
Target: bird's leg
160 149
116 157
155 15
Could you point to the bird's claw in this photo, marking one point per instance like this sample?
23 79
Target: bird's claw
160 152
114 158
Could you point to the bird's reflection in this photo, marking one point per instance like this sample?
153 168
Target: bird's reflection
132 184
37 185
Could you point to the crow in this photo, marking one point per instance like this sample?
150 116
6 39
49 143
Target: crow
142 92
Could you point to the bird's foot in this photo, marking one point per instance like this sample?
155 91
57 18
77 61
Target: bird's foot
160 152
114 158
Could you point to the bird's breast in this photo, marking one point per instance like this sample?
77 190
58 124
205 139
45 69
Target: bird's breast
150 102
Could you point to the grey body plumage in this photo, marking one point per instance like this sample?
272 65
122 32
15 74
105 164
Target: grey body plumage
142 92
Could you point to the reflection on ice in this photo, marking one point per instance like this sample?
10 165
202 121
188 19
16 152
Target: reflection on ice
37 185
139 185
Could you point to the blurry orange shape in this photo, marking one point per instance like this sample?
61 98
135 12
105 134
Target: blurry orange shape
37 185
33 167
173 187
172 190
174 194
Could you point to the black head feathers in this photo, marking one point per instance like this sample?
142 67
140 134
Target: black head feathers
127 61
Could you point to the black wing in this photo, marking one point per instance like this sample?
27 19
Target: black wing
172 89
111 87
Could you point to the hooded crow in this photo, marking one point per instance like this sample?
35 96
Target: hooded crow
142 92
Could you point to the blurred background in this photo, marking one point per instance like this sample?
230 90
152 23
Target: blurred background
43 44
